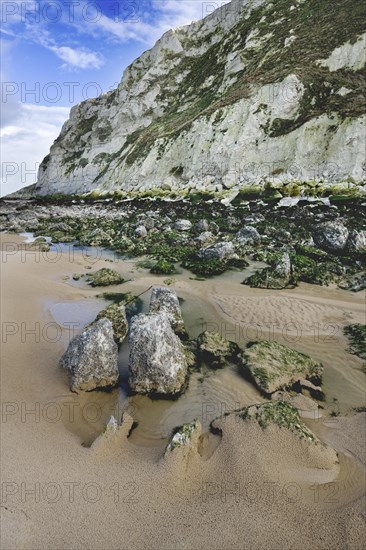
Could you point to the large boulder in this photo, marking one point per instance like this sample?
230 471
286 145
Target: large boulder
157 360
274 366
165 300
215 350
116 313
91 358
331 236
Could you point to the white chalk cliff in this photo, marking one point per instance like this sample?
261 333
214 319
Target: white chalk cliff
256 90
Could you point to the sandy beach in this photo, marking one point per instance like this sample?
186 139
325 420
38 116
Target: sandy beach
64 488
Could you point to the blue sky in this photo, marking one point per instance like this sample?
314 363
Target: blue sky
56 53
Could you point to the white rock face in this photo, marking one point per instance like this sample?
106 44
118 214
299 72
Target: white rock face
192 114
348 55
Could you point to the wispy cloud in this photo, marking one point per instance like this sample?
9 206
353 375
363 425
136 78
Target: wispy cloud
79 58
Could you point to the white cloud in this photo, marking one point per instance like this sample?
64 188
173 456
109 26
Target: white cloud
25 141
81 59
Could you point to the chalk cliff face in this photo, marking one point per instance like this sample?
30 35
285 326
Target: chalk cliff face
257 90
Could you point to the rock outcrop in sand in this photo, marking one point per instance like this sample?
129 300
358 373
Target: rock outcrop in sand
91 358
165 300
157 361
274 366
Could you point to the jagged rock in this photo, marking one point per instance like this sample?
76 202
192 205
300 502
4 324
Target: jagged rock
206 238
91 358
183 436
220 251
282 267
141 231
157 361
116 313
277 277
105 277
331 236
357 241
215 350
248 235
274 366
183 225
165 300
202 226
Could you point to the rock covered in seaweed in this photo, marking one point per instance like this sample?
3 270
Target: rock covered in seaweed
105 277
157 361
91 358
116 313
215 350
274 366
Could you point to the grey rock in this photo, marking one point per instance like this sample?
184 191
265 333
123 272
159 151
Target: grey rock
157 361
91 358
206 238
202 225
248 235
331 236
165 300
220 251
357 241
183 225
141 231
283 266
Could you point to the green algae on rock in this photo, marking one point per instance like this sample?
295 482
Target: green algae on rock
274 366
216 351
280 413
105 277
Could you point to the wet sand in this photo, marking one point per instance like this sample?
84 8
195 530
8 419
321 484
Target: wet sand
254 489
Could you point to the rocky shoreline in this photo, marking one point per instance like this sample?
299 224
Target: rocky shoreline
309 241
